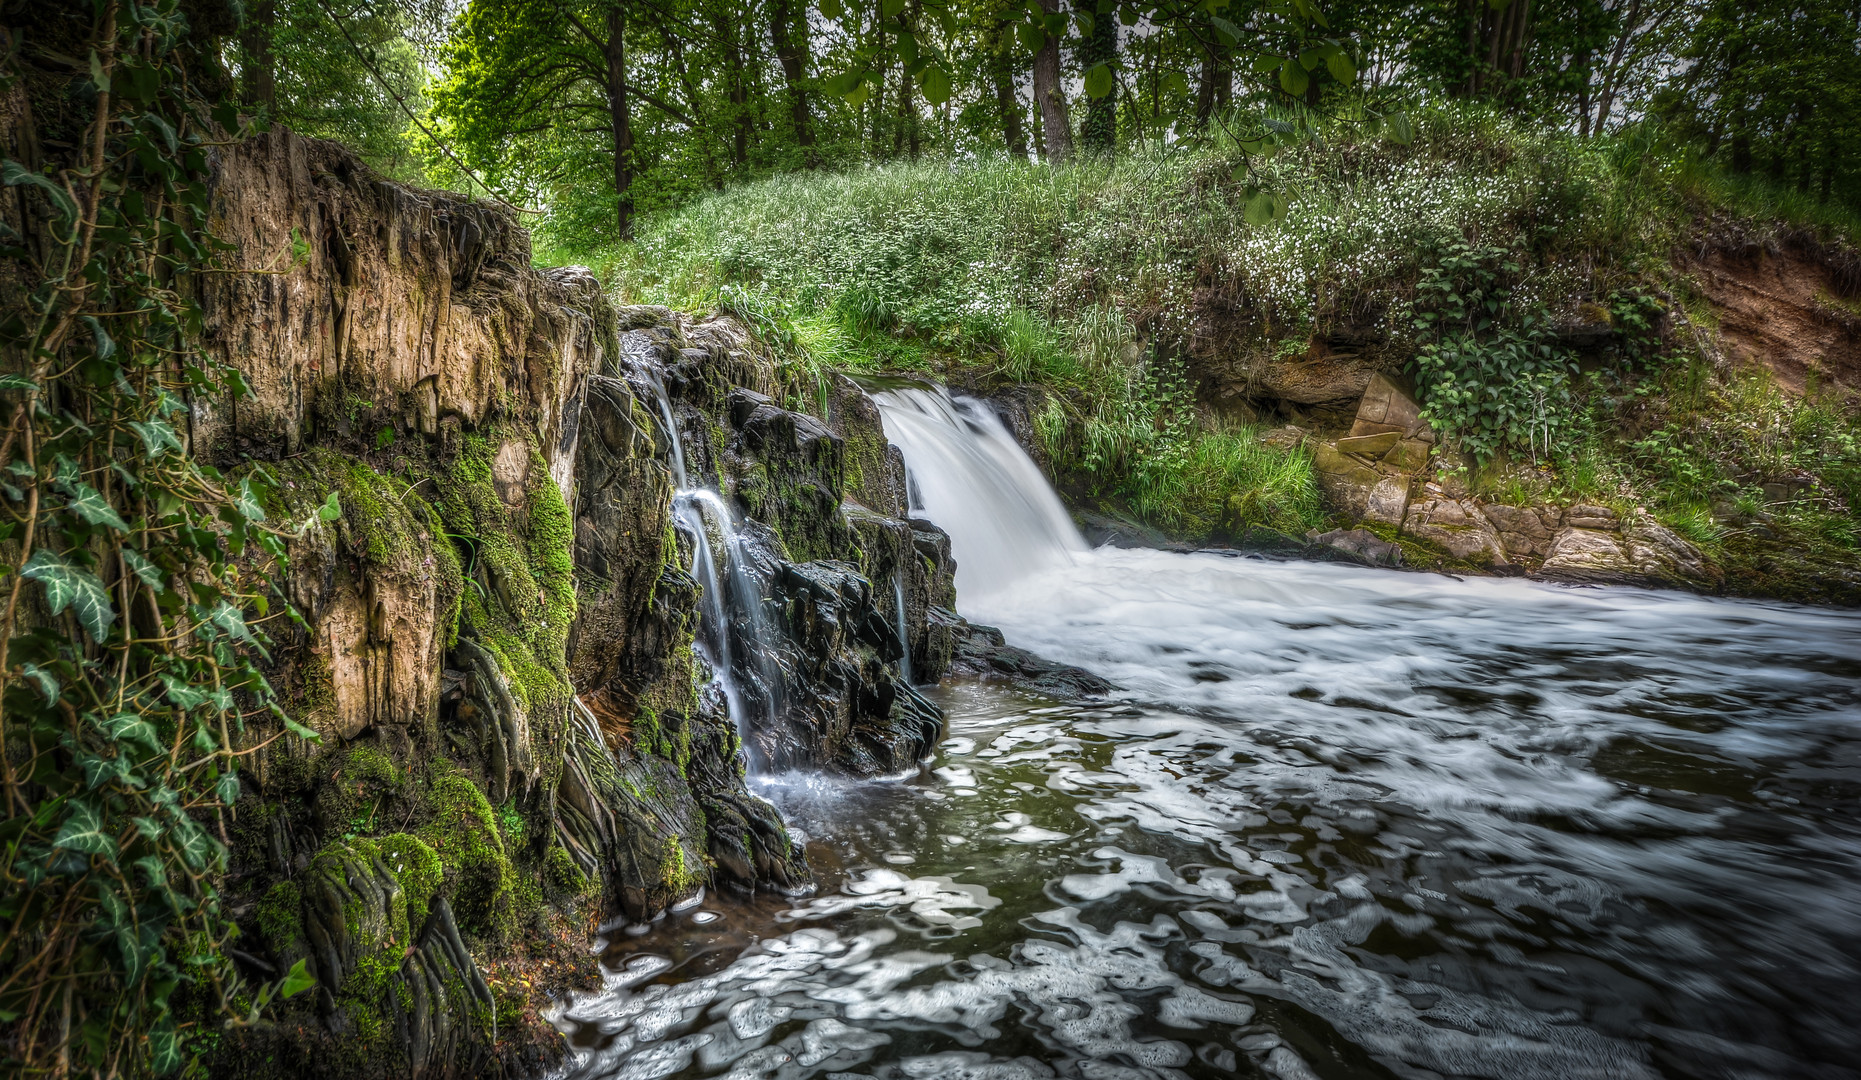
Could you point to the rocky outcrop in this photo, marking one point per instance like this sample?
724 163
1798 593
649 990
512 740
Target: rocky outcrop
522 734
1375 475
824 570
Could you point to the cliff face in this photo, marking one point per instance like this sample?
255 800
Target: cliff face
503 646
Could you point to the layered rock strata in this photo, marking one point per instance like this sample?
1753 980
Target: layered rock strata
522 737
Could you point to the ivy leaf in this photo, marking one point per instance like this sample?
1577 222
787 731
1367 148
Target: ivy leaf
331 509
146 572
247 503
230 619
184 696
164 1048
157 437
88 504
83 831
936 83
106 346
14 174
69 586
1098 81
296 981
228 788
300 730
1399 129
46 683
11 381
130 727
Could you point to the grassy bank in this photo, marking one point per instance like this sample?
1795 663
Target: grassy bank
1104 284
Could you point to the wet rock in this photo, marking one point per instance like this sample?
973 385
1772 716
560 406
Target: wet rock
1644 553
1457 526
982 652
1361 545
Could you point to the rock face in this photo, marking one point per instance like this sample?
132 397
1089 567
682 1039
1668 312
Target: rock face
1643 553
1374 474
503 646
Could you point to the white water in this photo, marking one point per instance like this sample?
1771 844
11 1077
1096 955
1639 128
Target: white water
703 513
1339 823
969 476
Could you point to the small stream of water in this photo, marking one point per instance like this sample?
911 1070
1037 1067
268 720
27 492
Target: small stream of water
1338 823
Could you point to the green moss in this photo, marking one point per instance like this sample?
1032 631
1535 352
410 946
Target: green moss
464 832
358 780
563 876
419 870
281 923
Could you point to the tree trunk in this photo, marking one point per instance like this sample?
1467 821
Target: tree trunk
620 119
1606 104
791 49
1007 102
1056 125
1099 133
259 65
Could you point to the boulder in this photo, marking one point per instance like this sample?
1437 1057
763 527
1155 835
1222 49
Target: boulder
1645 553
1525 530
1456 525
1359 489
1361 545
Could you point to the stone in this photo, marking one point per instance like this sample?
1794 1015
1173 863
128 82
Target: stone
1386 407
1645 553
1285 438
1370 446
1388 501
1361 545
1524 530
1409 456
1589 516
1457 526
1345 480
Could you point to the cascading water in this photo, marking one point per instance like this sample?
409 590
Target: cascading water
1341 822
704 515
970 477
904 630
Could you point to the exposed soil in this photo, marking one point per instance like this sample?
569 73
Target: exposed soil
1792 308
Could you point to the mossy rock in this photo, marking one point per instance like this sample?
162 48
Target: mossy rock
417 867
478 873
356 782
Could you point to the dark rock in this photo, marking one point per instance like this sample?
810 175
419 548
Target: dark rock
982 652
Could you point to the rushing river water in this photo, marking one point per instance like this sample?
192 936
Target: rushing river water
1338 823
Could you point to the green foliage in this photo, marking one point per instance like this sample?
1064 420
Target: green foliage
465 834
1491 375
121 745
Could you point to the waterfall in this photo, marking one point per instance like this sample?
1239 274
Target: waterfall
702 512
967 474
904 631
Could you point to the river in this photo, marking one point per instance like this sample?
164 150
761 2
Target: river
1337 822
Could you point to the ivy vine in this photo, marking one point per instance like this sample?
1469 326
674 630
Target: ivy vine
136 580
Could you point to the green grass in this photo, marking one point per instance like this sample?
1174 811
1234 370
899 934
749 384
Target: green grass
1098 279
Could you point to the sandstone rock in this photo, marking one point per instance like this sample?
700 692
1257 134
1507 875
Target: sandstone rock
1524 530
1645 553
1361 545
1386 407
1587 516
1284 438
1408 456
1370 446
1456 525
1358 489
